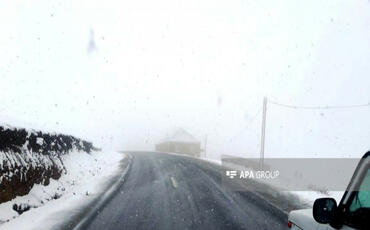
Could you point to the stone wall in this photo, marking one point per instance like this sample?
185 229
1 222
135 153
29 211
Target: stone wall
29 157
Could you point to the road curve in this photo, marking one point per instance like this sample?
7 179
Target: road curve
163 191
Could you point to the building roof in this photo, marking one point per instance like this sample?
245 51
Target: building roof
180 135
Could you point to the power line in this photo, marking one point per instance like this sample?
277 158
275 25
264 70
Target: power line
246 125
319 107
263 130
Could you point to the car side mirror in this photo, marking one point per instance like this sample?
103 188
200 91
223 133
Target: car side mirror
324 210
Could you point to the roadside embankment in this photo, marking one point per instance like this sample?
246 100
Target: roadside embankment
29 157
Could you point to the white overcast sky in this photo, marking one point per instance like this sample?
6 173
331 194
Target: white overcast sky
201 65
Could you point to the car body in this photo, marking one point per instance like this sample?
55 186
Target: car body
353 211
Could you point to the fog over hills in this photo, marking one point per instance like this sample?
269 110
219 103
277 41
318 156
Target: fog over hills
104 72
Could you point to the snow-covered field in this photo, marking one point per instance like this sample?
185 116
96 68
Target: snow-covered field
86 173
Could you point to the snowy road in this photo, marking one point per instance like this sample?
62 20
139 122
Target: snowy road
164 191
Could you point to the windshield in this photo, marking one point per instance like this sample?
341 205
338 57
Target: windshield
170 114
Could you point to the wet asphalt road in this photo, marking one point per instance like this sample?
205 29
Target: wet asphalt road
163 191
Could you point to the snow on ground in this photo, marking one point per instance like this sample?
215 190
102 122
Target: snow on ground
214 161
309 197
82 182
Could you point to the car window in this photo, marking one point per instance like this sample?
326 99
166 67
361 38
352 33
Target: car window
359 209
362 198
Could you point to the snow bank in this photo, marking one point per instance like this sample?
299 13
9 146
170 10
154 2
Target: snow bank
82 182
214 161
29 157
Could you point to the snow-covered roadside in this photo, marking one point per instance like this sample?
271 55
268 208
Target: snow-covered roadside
309 197
214 161
85 175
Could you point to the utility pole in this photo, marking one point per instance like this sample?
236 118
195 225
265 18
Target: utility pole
262 154
205 147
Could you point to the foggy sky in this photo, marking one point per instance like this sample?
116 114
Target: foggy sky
124 73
